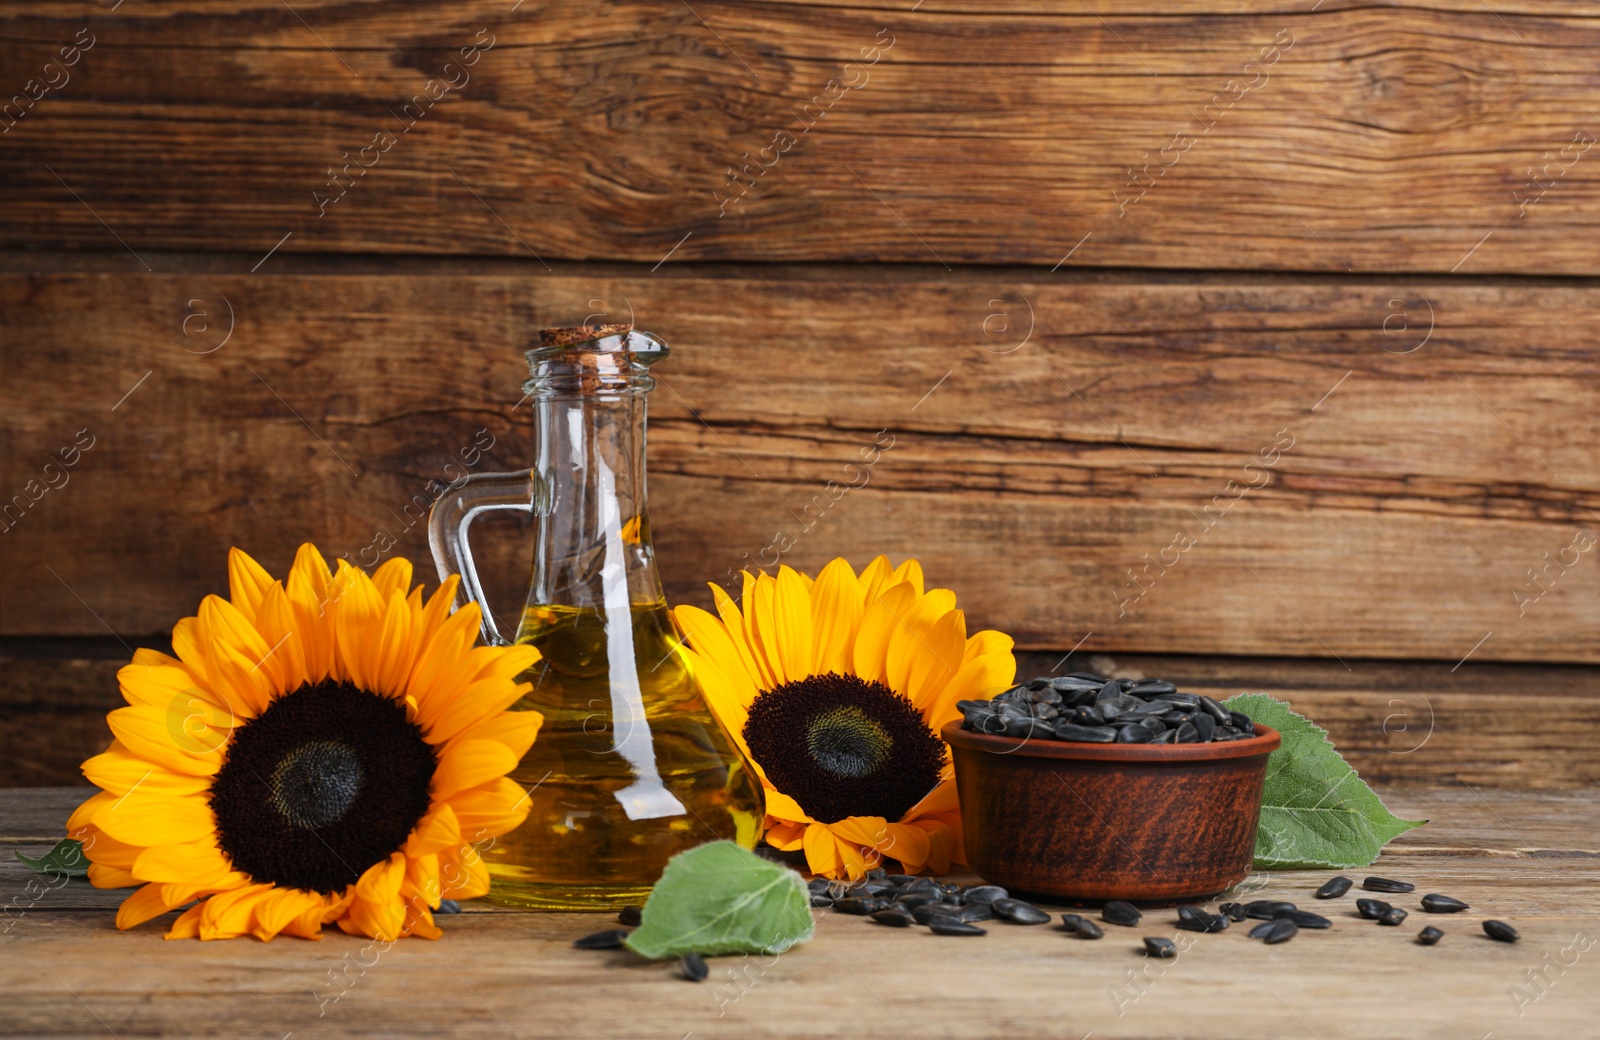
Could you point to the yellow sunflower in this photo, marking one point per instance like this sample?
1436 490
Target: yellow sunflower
321 751
835 690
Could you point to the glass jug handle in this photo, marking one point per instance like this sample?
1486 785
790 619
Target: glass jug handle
454 512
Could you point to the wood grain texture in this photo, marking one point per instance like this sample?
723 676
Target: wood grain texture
68 974
1253 135
1047 475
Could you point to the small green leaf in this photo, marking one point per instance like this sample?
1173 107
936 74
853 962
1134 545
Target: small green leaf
66 858
720 898
1315 811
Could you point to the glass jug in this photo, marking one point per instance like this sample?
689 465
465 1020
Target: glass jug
630 766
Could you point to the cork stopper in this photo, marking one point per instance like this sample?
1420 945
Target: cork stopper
566 337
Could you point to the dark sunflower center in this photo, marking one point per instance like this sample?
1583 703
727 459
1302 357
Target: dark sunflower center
327 781
842 746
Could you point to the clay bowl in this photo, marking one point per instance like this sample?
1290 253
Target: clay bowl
1091 822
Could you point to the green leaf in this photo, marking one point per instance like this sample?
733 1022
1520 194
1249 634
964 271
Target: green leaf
1315 812
721 898
66 858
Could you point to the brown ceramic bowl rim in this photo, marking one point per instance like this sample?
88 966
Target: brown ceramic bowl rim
1266 740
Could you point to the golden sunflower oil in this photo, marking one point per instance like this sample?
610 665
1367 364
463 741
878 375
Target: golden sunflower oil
628 769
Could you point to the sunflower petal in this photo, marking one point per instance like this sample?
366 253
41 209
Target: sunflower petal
878 624
792 623
248 582
470 763
837 603
143 905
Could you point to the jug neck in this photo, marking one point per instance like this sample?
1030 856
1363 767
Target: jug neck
592 547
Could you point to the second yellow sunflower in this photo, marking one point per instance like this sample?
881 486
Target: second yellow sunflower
836 689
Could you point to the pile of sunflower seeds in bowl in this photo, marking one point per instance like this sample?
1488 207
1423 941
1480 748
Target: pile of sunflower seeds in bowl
1087 708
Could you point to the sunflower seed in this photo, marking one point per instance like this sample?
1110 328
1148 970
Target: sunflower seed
1333 888
817 885
973 912
859 906
1045 696
1209 923
1156 946
1118 912
1086 715
1500 931
450 906
1372 909
1383 884
877 874
1073 684
1045 713
1152 687
1085 734
893 917
1134 734
930 913
1267 909
915 899
1392 916
1188 733
1235 911
1429 935
1082 927
1190 912
631 915
1205 728
610 939
1185 701
1435 903
955 928
1281 930
1018 912
1169 737
1261 929
1304 918
694 967
821 902
900 879
924 884
985 893
1110 690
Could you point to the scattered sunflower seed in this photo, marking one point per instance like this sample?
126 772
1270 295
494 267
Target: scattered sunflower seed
631 915
860 906
694 967
1372 909
1156 946
1333 888
1392 916
894 917
1429 935
1500 931
1281 930
1235 911
1304 919
1018 912
985 893
1118 912
450 906
1435 903
821 902
1383 884
952 927
610 939
1080 926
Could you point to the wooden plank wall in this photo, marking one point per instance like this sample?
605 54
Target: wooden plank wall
1258 328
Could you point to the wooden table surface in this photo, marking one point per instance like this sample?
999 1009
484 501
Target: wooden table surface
1531 858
